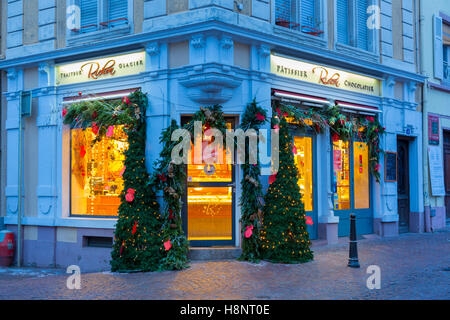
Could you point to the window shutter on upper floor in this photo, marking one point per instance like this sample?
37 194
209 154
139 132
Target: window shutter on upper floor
117 9
361 18
88 12
308 13
438 48
283 10
342 16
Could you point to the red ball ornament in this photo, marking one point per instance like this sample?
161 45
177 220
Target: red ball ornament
64 112
80 93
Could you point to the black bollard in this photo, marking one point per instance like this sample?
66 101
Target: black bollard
353 252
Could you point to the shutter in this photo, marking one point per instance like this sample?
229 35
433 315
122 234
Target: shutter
361 18
88 11
117 9
282 11
342 16
308 13
438 48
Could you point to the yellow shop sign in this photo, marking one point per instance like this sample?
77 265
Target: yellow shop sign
300 70
101 68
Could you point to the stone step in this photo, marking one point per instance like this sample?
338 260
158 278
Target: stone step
214 253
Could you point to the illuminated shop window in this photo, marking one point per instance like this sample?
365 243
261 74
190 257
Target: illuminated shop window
96 172
303 159
341 175
209 213
361 175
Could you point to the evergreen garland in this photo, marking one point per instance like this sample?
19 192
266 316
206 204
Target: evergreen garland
251 197
342 127
171 179
284 235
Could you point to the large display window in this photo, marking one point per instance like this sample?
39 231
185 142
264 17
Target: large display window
96 172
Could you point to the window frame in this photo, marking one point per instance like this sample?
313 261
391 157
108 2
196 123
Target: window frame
102 32
372 35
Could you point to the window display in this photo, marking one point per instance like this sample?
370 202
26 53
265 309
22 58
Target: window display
341 175
96 172
303 157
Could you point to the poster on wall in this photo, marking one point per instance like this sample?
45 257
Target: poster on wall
433 129
436 171
337 160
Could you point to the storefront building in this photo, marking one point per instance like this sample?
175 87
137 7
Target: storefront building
435 47
187 54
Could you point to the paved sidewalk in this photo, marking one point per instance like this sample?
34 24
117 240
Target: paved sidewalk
413 266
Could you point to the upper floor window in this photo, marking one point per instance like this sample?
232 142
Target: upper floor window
98 15
351 18
300 15
441 44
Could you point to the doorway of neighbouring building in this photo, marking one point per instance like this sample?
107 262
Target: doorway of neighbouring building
447 173
403 184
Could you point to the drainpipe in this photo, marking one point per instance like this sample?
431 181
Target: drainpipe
19 205
427 224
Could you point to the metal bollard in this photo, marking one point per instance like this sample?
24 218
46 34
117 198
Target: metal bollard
353 251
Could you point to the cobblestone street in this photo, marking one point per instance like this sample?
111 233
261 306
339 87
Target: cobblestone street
413 266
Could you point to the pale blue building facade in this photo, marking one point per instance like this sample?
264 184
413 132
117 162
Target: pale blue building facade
196 53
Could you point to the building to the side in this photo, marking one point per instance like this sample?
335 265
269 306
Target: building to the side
189 53
435 59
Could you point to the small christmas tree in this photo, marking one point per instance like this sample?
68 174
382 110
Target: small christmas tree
138 240
284 236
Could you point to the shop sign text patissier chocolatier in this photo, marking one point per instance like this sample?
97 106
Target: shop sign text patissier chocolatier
100 68
300 70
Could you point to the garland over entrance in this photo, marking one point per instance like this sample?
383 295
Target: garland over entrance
342 126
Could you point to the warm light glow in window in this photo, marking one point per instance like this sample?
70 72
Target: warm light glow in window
341 175
96 172
361 175
209 213
303 160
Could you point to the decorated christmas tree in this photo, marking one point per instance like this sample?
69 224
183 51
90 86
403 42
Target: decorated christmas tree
171 177
284 236
251 197
138 239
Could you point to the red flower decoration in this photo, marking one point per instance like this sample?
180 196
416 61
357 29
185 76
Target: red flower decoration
370 119
130 195
335 137
167 245
377 167
162 177
64 112
126 100
309 221
134 227
170 214
94 115
272 178
260 117
248 231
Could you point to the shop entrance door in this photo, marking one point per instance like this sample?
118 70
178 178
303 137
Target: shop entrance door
351 186
447 173
304 158
403 185
208 212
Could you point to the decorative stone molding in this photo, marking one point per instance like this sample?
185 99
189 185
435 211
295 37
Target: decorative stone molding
152 48
198 41
264 51
226 42
210 87
11 74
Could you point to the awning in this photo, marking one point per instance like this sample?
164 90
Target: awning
99 96
300 97
359 108
320 102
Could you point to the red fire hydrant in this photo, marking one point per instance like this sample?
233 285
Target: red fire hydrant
6 248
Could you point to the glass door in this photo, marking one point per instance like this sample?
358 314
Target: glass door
208 215
304 160
351 186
